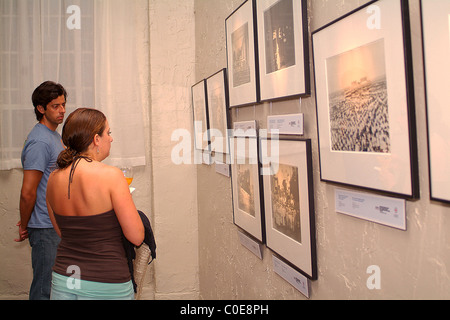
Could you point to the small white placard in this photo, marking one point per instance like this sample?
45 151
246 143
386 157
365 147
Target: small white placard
223 169
286 124
245 129
383 210
295 278
251 244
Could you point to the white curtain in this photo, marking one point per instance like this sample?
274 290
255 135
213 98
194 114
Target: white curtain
97 49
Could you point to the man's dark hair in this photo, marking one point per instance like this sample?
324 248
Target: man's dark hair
46 93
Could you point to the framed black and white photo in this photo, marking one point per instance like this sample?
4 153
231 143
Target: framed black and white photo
283 49
289 202
436 47
365 99
243 79
217 94
248 212
200 110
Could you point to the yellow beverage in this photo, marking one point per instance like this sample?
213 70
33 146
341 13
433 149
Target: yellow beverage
129 180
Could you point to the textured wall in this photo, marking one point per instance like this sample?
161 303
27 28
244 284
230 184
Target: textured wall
15 262
172 41
414 263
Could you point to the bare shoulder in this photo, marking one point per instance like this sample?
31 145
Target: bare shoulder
114 171
55 177
112 174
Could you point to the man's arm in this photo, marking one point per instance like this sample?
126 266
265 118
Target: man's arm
31 180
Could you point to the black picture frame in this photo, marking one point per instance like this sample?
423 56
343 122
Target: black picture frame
242 57
436 50
289 202
246 181
200 116
365 100
283 49
218 111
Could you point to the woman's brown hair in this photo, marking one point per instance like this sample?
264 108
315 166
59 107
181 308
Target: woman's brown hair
78 133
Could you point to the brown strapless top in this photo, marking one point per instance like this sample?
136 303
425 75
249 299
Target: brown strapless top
94 244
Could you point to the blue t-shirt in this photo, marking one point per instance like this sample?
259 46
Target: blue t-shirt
40 152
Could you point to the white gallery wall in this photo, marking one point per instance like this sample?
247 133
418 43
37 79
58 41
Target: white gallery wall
174 189
413 264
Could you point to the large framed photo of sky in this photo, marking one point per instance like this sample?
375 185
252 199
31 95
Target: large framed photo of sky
365 100
243 78
436 47
283 48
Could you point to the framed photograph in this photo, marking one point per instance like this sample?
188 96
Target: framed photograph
247 187
365 100
217 94
200 110
243 78
436 47
283 48
289 203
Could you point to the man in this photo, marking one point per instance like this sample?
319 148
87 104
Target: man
39 156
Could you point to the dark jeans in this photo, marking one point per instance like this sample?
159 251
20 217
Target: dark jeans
44 243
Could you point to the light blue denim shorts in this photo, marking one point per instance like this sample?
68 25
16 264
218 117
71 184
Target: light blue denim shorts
66 288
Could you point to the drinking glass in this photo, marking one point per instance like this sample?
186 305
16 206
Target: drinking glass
128 173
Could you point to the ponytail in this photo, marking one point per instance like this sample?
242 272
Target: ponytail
66 158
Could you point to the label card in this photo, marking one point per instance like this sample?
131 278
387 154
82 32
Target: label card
383 210
251 244
286 124
295 278
223 169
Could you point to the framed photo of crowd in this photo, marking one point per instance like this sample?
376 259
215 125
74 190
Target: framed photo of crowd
365 99
289 202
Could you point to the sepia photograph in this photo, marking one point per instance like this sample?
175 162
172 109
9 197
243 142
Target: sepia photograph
246 192
246 182
359 113
279 36
243 77
216 105
218 111
241 63
289 204
283 49
286 202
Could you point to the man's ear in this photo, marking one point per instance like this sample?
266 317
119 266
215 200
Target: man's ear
41 109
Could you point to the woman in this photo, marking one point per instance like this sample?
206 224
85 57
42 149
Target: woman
90 206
